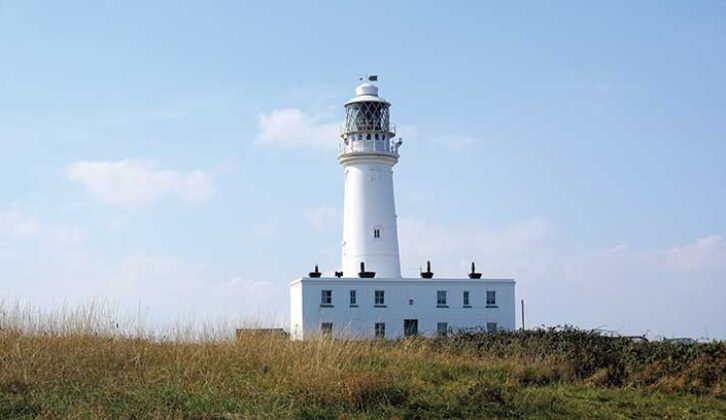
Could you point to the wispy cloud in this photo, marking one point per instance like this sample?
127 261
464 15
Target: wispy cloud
697 255
174 286
133 183
673 290
291 127
452 247
71 272
16 223
323 217
455 143
264 229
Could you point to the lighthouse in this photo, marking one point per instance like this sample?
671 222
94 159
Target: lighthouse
368 152
368 297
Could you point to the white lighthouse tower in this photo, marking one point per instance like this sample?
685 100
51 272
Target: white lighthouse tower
368 153
369 298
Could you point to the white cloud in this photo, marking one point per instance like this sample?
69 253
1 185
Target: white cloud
323 217
166 288
154 275
672 291
695 256
173 286
291 127
133 183
68 237
52 265
452 248
16 223
264 230
455 143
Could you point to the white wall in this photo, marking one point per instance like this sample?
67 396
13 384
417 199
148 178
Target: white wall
296 311
369 203
358 322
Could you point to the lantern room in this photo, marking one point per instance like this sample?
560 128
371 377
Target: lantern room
367 123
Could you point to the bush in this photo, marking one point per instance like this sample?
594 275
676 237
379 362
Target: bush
698 368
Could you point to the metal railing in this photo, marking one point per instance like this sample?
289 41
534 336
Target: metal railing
390 130
389 146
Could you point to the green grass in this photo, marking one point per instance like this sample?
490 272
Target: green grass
474 394
90 372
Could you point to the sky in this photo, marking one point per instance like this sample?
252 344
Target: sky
181 158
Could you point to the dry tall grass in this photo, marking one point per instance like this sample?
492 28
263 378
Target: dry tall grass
89 352
84 363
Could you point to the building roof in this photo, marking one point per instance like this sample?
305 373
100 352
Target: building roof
366 92
410 280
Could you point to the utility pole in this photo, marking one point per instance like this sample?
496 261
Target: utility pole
522 314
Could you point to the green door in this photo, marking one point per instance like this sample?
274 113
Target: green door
410 327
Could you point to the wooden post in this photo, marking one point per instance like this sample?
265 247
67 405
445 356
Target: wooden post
522 314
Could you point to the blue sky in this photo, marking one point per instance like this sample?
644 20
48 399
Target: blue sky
182 157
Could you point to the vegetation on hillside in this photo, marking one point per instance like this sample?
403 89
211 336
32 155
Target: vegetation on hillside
85 367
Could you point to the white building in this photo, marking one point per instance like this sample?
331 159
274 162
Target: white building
369 298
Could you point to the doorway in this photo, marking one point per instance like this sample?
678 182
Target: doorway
410 327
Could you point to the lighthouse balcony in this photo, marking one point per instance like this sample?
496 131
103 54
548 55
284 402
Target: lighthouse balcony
385 146
363 128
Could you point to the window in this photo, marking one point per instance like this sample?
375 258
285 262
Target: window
368 136
410 301
353 298
376 136
466 298
380 298
380 329
326 297
442 329
326 328
491 298
441 298
491 327
377 233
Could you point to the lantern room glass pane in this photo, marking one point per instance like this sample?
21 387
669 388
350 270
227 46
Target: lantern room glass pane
366 116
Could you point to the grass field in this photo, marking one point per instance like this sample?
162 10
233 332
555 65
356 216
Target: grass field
81 366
